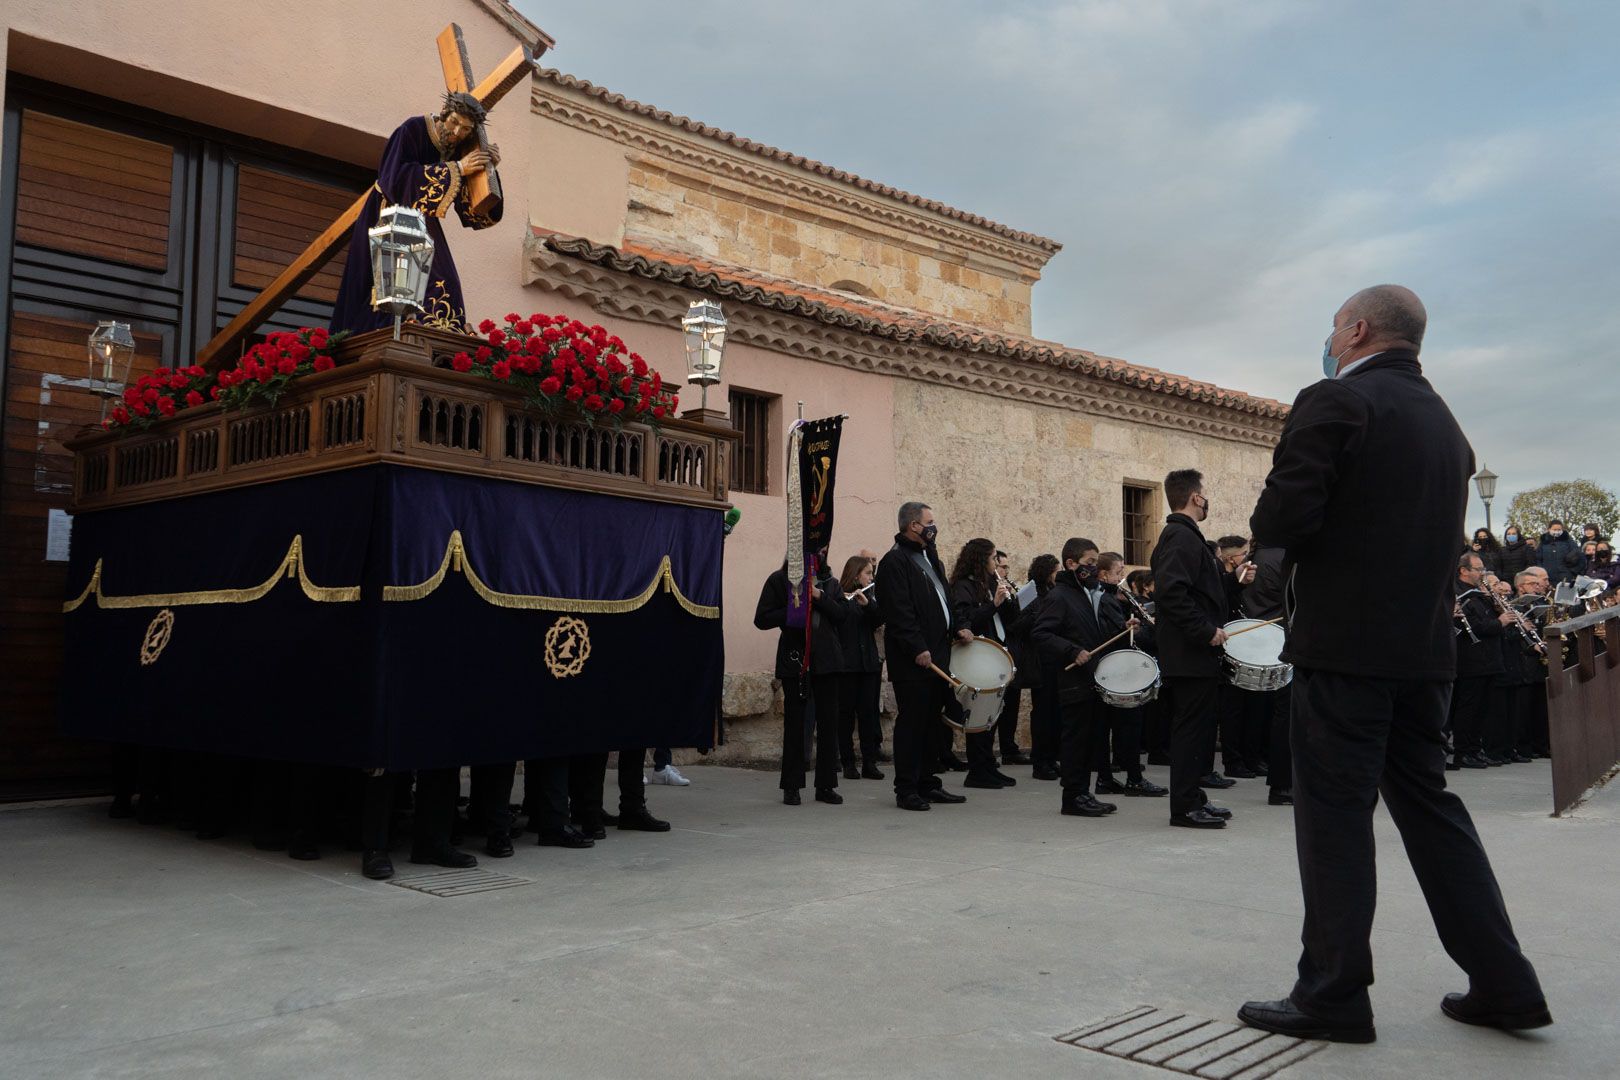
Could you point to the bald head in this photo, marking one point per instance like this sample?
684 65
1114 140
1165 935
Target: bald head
1393 315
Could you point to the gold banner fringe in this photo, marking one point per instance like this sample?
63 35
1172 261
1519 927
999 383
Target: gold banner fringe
455 558
292 567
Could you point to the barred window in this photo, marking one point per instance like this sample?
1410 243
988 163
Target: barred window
751 467
1138 506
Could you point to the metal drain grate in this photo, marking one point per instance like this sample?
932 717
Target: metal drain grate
1215 1049
450 883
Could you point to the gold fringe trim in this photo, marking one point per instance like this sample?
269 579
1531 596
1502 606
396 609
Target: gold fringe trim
455 558
292 567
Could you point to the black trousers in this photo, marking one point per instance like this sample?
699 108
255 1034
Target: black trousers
1078 741
1354 739
1156 716
919 705
1119 731
1192 738
858 695
587 773
1502 704
1281 777
435 810
824 690
1007 723
1468 713
489 806
1045 720
546 790
1535 735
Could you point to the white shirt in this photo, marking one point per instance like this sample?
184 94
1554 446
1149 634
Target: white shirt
1357 364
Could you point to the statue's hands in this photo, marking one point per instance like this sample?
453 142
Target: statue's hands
494 155
475 162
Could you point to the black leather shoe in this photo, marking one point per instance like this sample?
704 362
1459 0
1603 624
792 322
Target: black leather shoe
871 772
1045 772
1473 761
303 851
639 820
912 802
1215 780
1006 781
851 773
609 819
940 795
1520 758
569 836
1145 789
989 783
1197 819
376 865
1217 811
498 846
450 857
1281 797
1468 1009
829 796
1283 1018
952 763
1015 756
1107 785
1493 761
790 797
1452 765
1239 771
1083 807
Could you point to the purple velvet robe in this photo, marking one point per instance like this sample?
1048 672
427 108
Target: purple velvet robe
415 173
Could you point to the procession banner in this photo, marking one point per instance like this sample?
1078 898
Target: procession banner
812 474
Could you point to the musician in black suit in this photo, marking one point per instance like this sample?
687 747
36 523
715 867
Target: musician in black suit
1479 664
1123 724
917 631
1374 442
1263 600
1191 608
828 613
982 601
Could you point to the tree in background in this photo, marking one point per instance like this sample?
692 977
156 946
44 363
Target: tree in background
1574 502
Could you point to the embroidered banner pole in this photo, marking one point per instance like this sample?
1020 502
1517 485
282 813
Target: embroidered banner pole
813 478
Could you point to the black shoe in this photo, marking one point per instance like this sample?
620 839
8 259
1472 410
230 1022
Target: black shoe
952 763
1452 765
1044 771
569 836
1145 788
852 773
989 783
303 851
1262 768
1197 819
450 857
871 772
1107 785
1156 758
639 820
1519 758
940 795
829 796
122 807
1217 811
1015 756
1239 771
498 846
1281 797
912 802
790 797
883 758
376 865
1473 761
1083 806
1006 781
1215 780
1283 1018
1470 1010
609 819
1493 761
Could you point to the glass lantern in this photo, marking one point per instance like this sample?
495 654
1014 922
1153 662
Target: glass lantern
705 328
401 261
111 350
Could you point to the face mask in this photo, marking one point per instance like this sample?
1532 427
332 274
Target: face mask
929 533
1330 363
1206 508
1513 538
1555 533
1083 573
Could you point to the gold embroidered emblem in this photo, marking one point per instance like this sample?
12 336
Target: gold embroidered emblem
158 632
568 646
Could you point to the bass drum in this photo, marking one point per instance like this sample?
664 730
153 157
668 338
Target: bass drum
1253 659
1127 678
984 670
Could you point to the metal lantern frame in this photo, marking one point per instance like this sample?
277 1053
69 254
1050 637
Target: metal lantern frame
401 262
110 352
1485 484
704 327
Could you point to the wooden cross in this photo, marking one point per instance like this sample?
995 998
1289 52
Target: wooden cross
483 189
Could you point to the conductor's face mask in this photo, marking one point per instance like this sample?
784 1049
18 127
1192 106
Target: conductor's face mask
1330 363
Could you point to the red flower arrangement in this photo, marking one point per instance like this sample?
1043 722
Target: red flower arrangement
264 372
556 360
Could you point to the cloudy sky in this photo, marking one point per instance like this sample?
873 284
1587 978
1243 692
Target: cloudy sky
1222 173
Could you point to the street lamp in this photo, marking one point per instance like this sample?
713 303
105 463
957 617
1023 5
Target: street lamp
401 258
1485 482
111 348
705 329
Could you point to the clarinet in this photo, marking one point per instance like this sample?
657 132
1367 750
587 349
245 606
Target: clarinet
1458 613
1532 640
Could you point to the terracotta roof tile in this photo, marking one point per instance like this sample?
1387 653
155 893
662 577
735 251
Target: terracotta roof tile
637 256
686 123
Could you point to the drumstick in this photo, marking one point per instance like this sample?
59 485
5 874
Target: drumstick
1256 626
1100 648
947 676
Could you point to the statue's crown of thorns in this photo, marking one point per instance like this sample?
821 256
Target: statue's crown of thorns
467 105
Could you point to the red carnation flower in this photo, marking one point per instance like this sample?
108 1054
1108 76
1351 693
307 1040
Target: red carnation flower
575 393
131 395
213 392
166 406
552 335
576 327
658 411
534 346
120 415
501 370
194 399
461 362
598 335
497 337
559 320
149 395
286 365
318 337
141 409
615 406
483 354
512 317
324 363
527 364
487 326
558 366
161 373
567 356
593 403
657 382
624 385
264 374
615 343
550 385
196 371
522 326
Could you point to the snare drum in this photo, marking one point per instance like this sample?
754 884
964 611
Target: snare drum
984 669
1127 678
1253 658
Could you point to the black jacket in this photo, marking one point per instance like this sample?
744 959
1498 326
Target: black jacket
1263 597
914 620
857 636
1516 557
1189 600
1554 556
1066 625
1480 612
1019 642
1377 445
971 607
827 616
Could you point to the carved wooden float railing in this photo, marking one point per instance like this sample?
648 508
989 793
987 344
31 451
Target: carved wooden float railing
399 402
1583 707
